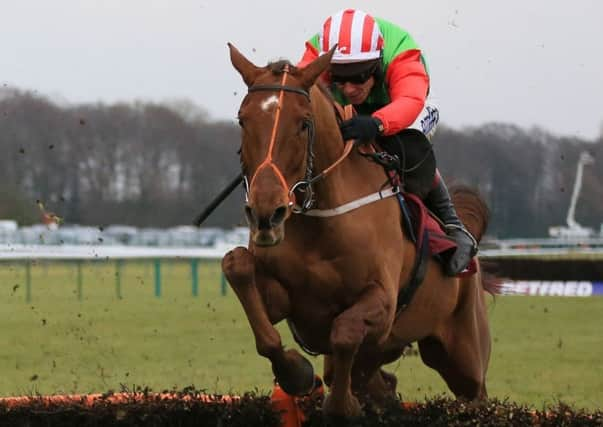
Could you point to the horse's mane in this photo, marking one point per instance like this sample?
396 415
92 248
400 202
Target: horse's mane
324 89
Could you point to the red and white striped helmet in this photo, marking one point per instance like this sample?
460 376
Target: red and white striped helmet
357 36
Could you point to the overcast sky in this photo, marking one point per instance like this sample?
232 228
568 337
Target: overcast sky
526 62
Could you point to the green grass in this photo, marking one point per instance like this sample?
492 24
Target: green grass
545 349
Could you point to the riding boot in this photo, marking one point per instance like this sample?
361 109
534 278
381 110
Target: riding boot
438 201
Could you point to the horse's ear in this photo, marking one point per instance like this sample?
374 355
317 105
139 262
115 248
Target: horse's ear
246 68
310 73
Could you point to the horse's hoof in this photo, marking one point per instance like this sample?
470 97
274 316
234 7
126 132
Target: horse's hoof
296 375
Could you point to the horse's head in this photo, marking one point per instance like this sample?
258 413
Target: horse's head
277 129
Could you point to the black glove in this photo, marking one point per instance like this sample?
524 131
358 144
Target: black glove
362 128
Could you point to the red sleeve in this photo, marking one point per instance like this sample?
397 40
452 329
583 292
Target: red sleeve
408 84
310 55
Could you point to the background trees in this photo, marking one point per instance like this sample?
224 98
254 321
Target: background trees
156 165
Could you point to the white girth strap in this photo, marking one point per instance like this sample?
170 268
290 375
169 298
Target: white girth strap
350 206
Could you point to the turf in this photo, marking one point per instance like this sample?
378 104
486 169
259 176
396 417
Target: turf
545 349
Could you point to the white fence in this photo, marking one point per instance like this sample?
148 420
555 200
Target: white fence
88 252
181 236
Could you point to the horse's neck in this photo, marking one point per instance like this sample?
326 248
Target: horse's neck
329 144
355 176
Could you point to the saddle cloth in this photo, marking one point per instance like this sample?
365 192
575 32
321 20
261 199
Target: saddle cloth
441 246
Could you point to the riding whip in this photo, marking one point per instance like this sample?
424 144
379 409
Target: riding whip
217 200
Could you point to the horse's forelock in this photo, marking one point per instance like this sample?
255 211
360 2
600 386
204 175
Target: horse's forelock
277 67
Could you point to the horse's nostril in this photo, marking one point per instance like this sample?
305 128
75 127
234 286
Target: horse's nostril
278 216
265 222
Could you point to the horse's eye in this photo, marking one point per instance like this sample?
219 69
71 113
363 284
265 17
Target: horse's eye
241 122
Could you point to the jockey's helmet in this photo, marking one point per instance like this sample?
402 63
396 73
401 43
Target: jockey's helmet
358 38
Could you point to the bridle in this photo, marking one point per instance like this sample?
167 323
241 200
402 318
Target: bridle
304 186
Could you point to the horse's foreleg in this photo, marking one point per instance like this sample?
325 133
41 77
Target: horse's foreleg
293 372
365 320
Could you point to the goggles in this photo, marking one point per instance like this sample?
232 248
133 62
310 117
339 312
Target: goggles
358 78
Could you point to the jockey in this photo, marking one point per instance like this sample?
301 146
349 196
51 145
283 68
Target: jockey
379 68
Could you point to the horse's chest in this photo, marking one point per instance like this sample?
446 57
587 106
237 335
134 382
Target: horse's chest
318 290
316 281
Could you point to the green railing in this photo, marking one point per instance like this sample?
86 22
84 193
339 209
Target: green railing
195 264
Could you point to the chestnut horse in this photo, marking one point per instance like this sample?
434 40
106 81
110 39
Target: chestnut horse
335 278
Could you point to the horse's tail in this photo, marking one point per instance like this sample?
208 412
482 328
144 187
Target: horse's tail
475 214
471 209
492 281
